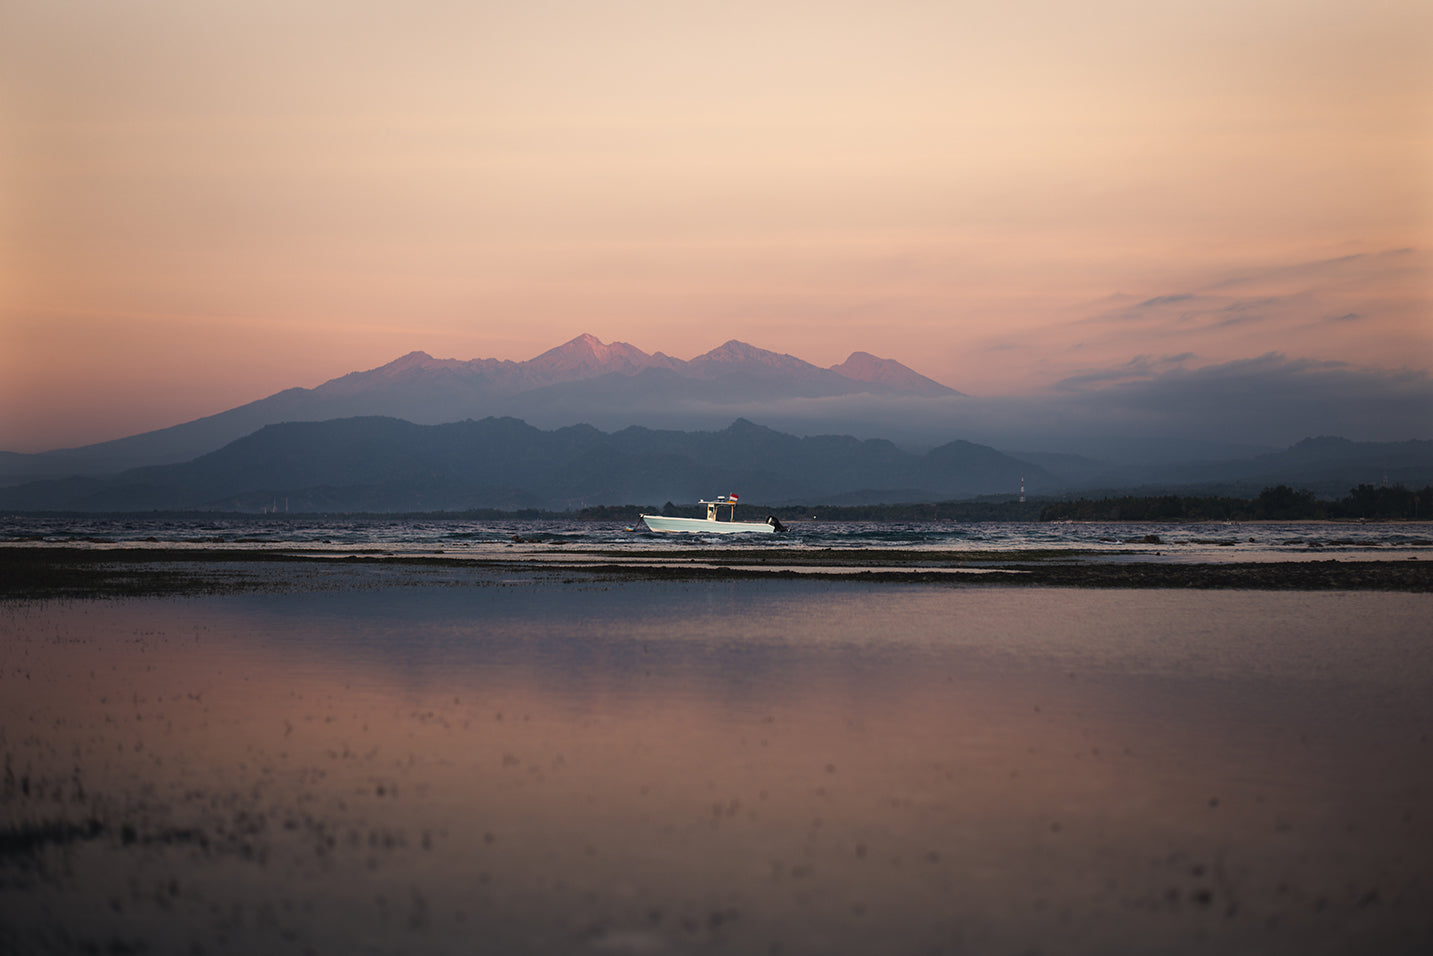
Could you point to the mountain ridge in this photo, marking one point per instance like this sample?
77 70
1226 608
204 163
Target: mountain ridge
616 386
564 384
374 463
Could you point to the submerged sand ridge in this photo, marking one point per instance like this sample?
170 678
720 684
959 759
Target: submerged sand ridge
533 764
53 570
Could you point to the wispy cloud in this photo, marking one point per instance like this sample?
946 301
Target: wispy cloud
1139 368
1370 309
1315 268
1245 312
1163 300
1271 399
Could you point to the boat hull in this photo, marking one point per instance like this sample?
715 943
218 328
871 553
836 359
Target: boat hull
703 526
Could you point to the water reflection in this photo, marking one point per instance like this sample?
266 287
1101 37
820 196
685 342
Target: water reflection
793 767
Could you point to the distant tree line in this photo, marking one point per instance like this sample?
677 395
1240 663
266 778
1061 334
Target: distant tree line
1278 503
977 510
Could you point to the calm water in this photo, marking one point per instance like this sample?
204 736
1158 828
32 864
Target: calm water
1205 542
760 767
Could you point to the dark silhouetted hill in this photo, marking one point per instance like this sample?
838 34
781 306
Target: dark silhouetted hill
385 464
583 380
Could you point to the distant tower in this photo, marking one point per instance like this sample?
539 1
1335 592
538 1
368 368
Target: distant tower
1022 489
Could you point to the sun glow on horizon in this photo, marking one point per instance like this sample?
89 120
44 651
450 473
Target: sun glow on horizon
206 205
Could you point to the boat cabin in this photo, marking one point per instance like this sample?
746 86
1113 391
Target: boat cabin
725 501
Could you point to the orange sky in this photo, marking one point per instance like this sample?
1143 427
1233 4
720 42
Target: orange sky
201 204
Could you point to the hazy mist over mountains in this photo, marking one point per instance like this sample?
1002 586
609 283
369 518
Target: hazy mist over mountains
589 422
580 382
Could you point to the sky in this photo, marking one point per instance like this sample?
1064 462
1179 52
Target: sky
204 203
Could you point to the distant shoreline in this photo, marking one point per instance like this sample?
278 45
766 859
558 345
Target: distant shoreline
998 510
28 573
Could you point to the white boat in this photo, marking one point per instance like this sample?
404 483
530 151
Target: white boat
712 524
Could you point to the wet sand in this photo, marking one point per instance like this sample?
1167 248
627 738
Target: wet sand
267 754
95 572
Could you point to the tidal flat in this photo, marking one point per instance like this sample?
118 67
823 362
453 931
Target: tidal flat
295 757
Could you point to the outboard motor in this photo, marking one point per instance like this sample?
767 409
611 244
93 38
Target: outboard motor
776 525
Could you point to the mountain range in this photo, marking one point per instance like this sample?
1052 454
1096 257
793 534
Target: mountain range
381 464
386 464
582 381
581 424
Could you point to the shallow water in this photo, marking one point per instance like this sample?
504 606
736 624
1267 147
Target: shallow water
1213 541
754 767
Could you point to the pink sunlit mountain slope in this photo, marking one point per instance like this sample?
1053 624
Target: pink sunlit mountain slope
587 357
865 367
581 381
